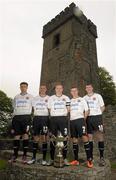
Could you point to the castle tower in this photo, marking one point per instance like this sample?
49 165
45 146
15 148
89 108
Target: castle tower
69 51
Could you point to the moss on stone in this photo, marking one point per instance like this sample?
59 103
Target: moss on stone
3 164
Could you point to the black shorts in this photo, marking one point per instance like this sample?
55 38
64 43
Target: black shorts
94 123
20 124
40 125
77 128
59 124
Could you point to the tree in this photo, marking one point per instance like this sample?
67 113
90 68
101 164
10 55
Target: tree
5 102
107 87
5 113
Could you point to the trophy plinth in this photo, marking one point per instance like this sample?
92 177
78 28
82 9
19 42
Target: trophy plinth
58 160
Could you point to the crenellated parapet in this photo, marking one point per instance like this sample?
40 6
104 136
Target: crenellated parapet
69 12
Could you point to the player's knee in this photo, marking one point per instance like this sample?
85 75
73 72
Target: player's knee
43 139
99 136
17 137
85 138
75 140
90 137
36 138
25 136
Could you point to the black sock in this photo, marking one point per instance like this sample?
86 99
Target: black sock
65 150
16 144
44 149
52 149
101 148
87 150
91 148
25 147
75 150
35 148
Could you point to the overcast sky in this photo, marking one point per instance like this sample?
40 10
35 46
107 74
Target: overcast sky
21 23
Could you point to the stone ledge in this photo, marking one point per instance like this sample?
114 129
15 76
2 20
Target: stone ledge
18 171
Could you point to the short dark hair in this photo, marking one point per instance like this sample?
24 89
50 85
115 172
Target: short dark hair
58 84
43 84
89 84
25 83
74 85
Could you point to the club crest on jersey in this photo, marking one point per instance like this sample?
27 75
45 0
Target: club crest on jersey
27 97
46 100
64 99
79 100
94 98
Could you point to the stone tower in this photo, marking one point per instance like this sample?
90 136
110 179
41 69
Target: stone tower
69 51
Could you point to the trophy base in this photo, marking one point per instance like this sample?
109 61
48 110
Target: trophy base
59 162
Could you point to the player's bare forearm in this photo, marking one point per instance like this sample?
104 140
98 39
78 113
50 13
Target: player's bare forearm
49 110
68 109
102 108
86 113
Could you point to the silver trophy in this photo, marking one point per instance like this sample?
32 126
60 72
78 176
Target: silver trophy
58 160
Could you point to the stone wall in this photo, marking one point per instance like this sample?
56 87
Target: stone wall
109 118
18 171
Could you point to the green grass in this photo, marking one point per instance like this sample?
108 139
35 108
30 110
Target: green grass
113 165
3 164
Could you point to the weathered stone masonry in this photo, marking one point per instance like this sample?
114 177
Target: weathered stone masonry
69 51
